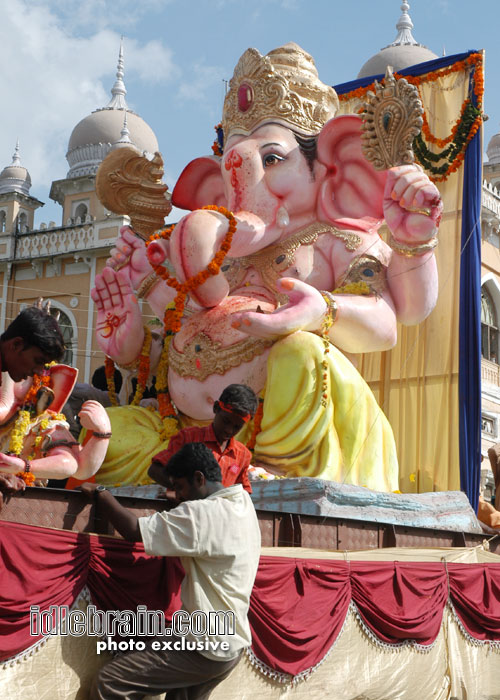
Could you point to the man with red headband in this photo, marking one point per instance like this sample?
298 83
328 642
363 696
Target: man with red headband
236 406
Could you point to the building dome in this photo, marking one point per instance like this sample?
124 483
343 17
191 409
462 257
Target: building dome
15 178
398 57
402 53
93 137
493 150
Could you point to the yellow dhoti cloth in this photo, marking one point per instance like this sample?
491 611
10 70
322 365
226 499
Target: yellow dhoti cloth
136 440
345 438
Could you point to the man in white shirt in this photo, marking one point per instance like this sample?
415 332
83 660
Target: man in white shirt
216 534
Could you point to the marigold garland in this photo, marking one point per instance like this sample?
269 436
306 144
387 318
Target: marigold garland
27 411
464 129
27 420
27 423
441 143
28 477
109 371
217 146
142 374
173 315
39 380
454 153
257 420
212 269
19 431
165 405
473 60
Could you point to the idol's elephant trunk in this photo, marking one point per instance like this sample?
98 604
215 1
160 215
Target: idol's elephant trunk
195 241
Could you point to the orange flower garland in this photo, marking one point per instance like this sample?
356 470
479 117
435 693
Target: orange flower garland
473 60
39 380
165 405
441 143
28 477
173 316
257 420
217 144
23 422
109 371
142 375
212 268
456 137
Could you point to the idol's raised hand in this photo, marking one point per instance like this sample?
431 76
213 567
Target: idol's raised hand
119 329
412 205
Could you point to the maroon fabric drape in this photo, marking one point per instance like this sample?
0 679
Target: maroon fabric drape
400 600
44 567
475 594
297 610
121 576
297 607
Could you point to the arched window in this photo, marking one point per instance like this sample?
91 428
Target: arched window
81 212
67 332
23 222
489 327
3 219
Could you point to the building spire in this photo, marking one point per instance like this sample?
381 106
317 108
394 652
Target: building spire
16 158
124 140
124 133
118 90
404 27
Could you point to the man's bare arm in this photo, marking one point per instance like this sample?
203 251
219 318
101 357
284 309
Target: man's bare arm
121 518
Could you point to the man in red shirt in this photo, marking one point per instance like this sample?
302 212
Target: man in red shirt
236 406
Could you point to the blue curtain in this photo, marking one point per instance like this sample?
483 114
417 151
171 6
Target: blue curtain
469 380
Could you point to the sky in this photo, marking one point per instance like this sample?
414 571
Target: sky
58 63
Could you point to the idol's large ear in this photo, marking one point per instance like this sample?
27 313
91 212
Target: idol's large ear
200 184
62 381
352 192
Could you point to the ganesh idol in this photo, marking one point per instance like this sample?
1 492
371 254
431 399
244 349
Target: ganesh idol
35 442
306 281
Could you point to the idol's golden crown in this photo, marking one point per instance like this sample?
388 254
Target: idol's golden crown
281 87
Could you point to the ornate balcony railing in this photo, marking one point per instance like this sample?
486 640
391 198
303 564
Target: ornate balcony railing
490 198
490 372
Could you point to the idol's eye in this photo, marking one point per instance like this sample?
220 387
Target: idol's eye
271 159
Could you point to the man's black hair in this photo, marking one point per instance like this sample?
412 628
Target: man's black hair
193 457
38 329
99 379
241 398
